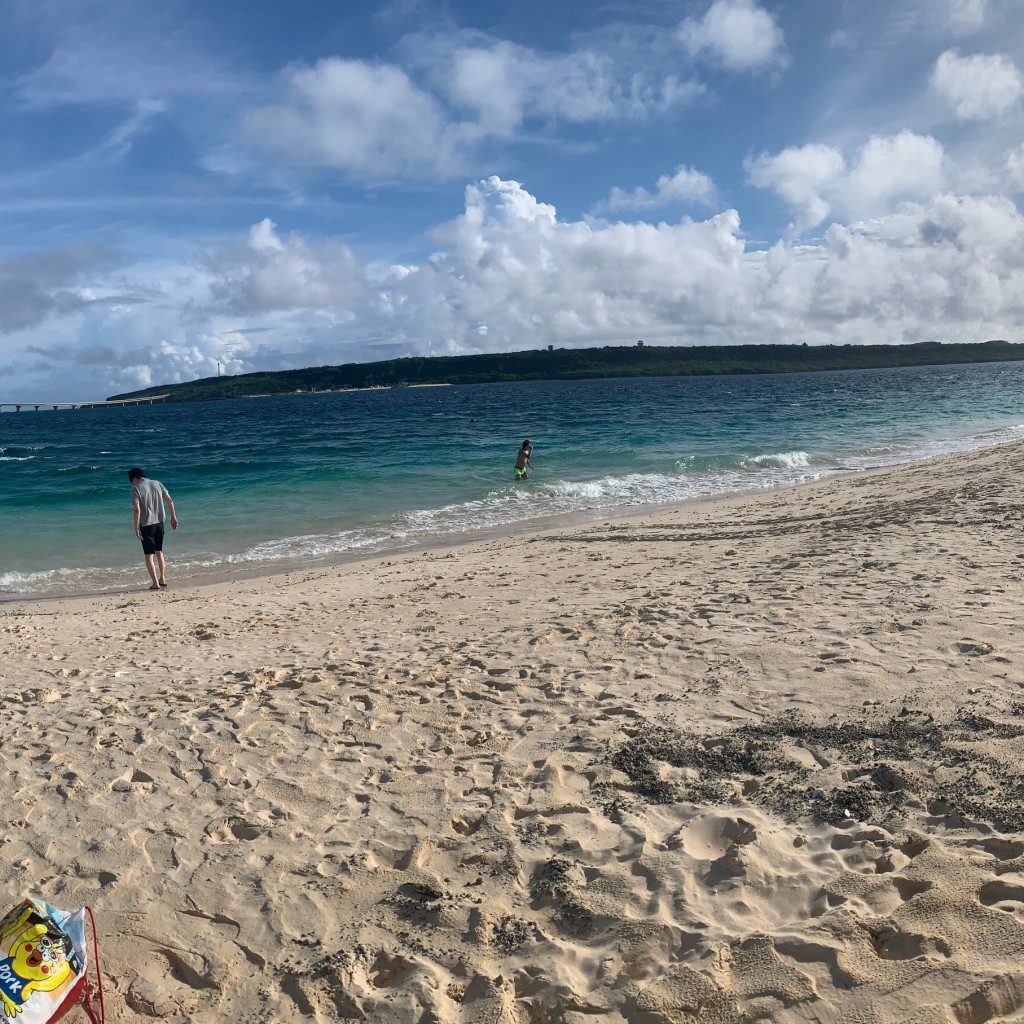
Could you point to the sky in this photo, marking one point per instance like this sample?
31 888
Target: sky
190 188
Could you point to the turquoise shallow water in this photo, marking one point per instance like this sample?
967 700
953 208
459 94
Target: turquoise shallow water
299 479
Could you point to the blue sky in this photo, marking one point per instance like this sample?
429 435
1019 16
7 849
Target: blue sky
268 185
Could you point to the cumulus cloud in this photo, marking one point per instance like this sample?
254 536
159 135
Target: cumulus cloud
738 33
495 269
368 119
905 275
955 260
800 175
177 358
270 273
978 87
508 273
374 121
685 185
902 166
815 179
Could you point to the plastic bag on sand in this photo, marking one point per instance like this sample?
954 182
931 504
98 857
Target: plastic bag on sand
42 963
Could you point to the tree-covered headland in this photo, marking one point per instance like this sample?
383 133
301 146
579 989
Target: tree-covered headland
575 363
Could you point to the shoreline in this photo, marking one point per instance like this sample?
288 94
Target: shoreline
457 540
445 541
761 755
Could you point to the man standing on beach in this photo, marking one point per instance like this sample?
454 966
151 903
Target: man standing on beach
148 497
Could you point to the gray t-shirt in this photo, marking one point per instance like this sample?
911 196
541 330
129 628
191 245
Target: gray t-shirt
149 496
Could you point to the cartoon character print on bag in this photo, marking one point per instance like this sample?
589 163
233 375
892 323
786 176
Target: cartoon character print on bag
40 958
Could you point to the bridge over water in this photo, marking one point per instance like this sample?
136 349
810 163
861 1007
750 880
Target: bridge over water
18 406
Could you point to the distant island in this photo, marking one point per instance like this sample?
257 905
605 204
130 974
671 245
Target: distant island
637 360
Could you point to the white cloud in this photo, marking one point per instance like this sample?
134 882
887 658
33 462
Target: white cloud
1015 168
978 87
902 166
951 267
815 180
967 15
374 122
492 83
367 119
509 273
504 85
800 176
274 274
956 262
176 358
496 269
740 34
686 185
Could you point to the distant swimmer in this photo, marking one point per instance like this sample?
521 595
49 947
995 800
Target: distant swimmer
523 461
148 497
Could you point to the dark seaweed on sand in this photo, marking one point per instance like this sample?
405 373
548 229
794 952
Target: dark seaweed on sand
890 766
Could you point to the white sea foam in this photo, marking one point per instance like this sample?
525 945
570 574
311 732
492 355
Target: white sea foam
783 460
64 580
885 456
309 546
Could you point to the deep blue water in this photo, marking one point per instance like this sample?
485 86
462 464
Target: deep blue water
303 478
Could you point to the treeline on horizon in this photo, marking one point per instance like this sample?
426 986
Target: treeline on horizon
579 363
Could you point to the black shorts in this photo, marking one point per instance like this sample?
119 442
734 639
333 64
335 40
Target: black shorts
152 538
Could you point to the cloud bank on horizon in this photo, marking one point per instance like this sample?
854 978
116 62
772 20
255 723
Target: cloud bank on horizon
204 186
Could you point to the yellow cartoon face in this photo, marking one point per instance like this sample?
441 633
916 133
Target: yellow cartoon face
41 957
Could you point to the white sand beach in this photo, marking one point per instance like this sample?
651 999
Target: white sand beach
760 759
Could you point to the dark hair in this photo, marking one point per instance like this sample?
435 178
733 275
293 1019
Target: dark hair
135 473
526 444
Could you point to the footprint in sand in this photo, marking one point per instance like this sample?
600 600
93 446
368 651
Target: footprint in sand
1003 895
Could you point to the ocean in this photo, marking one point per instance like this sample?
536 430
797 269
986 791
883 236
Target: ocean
278 483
